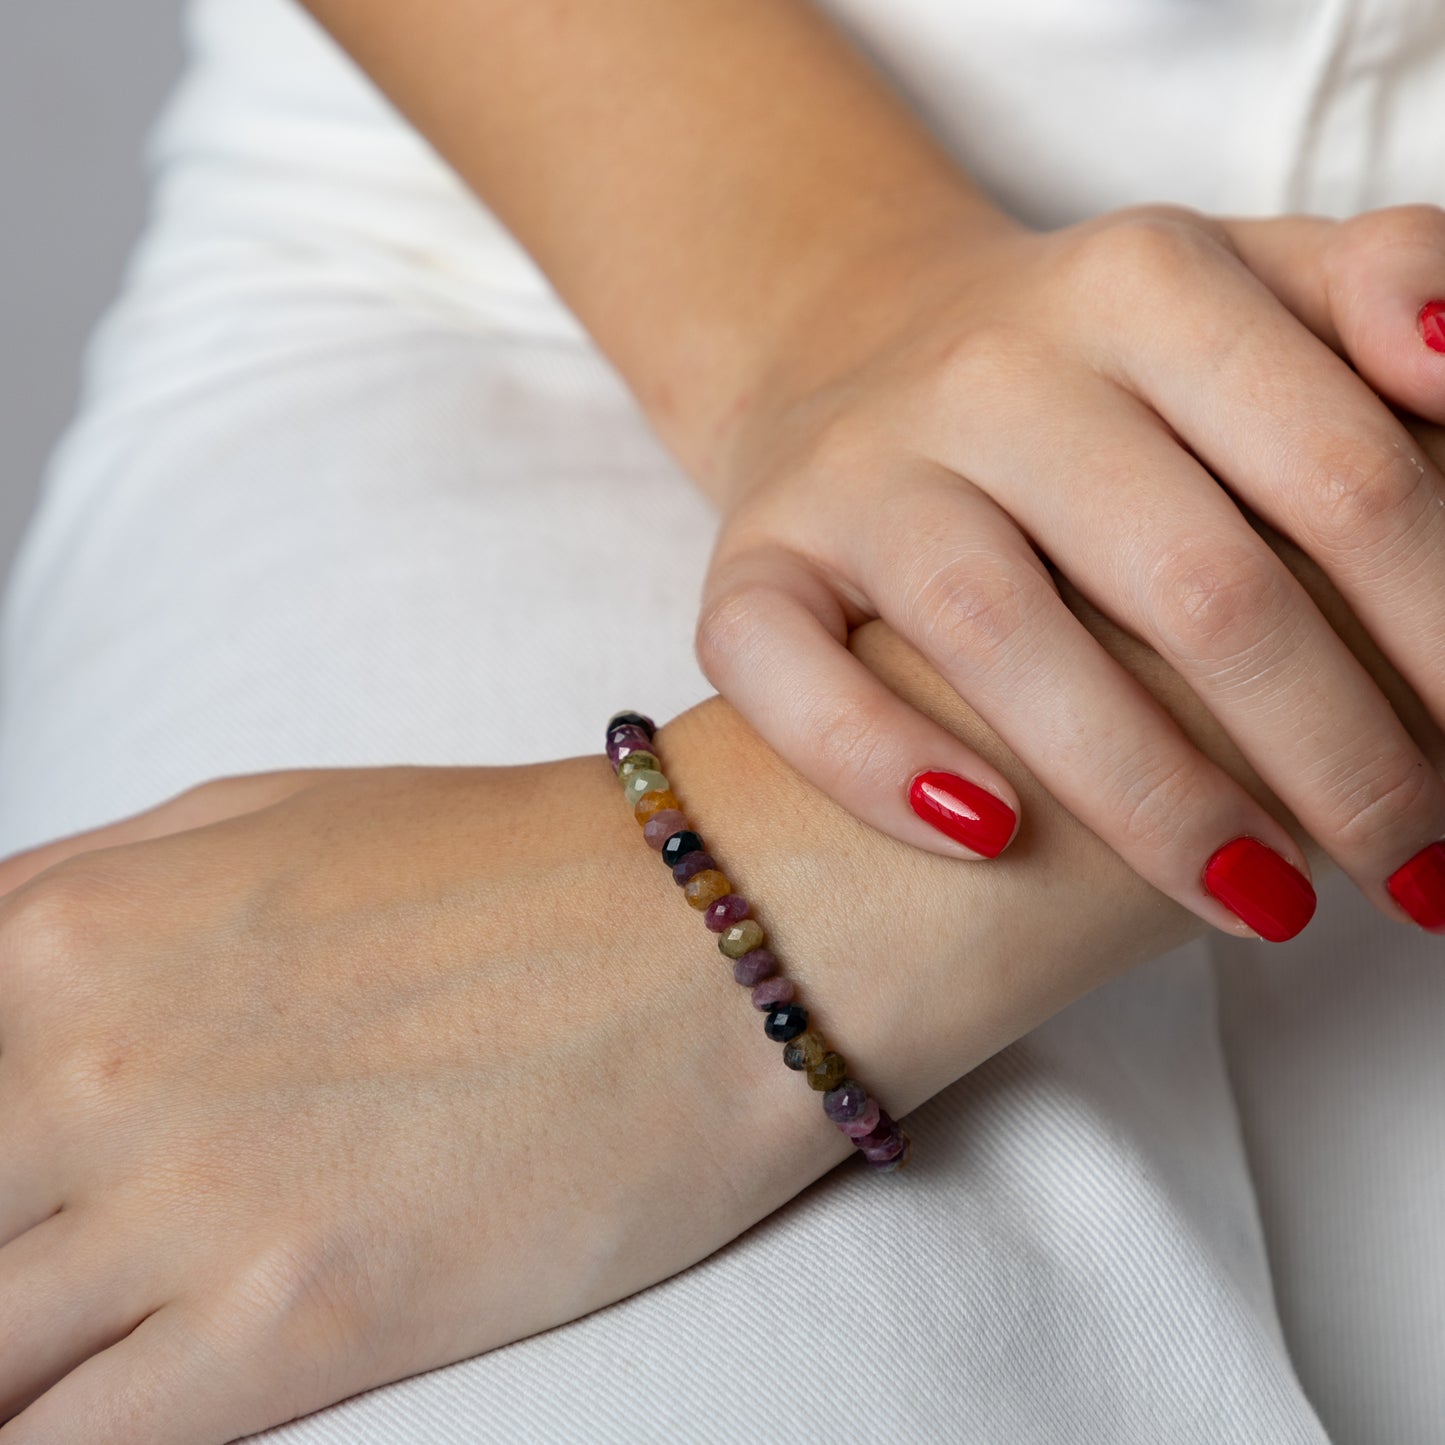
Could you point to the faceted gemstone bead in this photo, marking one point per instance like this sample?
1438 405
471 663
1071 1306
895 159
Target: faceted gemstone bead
631 719
882 1153
649 780
881 1133
864 1122
845 1101
771 991
677 847
805 1050
728 911
625 741
635 762
753 967
786 1022
828 1072
743 936
887 1166
650 803
706 887
692 864
661 826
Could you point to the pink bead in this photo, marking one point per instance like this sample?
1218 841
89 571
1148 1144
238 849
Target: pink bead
772 992
865 1123
729 909
661 826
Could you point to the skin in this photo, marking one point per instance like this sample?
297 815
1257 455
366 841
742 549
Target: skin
899 397
310 1081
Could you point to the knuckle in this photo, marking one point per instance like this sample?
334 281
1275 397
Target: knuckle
1153 801
57 916
976 610
1380 799
1146 246
1216 604
1418 224
727 625
849 738
986 366
1363 494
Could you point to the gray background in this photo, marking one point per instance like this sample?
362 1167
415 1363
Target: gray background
80 82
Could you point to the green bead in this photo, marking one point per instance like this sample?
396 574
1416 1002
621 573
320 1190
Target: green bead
647 780
635 762
741 938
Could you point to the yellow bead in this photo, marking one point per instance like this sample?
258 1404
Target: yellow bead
805 1050
828 1072
650 803
741 938
706 887
635 762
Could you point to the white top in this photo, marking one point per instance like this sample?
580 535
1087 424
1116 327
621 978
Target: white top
1060 108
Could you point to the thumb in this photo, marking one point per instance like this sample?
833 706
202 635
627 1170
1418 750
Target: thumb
1372 287
210 802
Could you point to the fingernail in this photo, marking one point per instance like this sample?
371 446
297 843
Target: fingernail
963 811
1419 887
1266 891
1432 324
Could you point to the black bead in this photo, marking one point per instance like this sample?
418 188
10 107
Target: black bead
786 1022
679 846
631 719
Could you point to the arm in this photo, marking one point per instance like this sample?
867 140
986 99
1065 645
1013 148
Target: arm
444 1044
688 173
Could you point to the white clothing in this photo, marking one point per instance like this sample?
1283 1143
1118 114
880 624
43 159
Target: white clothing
347 487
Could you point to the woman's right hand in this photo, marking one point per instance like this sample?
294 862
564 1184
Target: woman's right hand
1106 393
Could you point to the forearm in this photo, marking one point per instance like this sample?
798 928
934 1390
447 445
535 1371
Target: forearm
688 173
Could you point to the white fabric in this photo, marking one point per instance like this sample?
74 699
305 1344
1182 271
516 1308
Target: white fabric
348 486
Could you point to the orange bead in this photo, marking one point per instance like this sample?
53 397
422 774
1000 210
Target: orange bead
650 803
705 888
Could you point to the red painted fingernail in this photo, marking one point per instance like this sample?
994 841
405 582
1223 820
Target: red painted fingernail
963 811
1419 887
1432 324
1266 891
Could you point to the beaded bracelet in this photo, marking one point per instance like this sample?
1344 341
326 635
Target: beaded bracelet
633 755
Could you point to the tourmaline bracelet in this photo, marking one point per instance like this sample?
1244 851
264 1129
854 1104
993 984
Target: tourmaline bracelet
633 755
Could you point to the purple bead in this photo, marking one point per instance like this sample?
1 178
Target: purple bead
622 741
865 1123
845 1102
729 909
661 826
885 1130
771 991
753 967
895 1161
691 863
882 1153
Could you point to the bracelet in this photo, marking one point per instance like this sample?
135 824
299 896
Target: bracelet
632 752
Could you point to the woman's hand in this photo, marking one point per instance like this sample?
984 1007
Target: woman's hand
377 1070
939 414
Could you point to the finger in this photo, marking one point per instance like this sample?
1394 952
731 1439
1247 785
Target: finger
1309 447
28 1193
206 803
771 637
170 1381
961 582
68 1288
1189 576
1372 287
